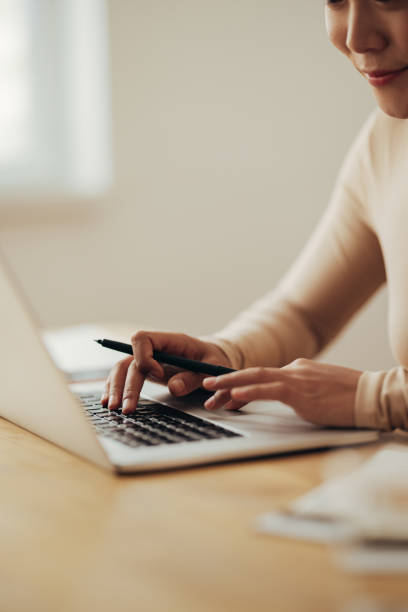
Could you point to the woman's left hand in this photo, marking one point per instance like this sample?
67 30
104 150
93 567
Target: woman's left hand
320 393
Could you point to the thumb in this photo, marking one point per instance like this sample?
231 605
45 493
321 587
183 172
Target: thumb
184 383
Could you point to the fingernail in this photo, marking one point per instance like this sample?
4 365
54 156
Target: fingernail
209 383
125 406
178 387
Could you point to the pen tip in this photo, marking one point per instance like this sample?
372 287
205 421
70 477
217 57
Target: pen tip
97 341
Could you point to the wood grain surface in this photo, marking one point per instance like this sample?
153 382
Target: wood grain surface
74 538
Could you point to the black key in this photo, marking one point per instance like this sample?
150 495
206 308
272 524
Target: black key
106 425
115 418
151 424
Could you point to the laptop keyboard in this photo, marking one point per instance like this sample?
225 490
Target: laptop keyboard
152 424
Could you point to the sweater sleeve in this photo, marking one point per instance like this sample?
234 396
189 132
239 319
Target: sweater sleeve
382 400
337 272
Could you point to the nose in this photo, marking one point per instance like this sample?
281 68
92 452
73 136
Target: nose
364 31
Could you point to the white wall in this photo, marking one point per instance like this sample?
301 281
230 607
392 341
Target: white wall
231 118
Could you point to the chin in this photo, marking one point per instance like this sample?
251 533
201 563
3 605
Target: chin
395 110
396 114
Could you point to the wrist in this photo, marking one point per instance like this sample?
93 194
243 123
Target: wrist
225 349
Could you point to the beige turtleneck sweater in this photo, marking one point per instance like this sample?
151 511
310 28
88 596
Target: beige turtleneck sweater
360 243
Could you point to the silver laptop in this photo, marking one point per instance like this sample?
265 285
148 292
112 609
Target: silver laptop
164 433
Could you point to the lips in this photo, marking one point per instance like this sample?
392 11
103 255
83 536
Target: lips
378 78
380 73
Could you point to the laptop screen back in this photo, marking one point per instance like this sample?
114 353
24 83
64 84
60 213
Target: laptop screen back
33 393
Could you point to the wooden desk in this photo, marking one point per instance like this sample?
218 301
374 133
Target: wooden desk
75 539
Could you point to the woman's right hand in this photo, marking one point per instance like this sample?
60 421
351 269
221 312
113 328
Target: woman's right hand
126 378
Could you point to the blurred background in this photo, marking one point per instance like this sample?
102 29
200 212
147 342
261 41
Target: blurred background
162 162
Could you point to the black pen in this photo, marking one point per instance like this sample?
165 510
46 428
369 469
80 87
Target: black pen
174 360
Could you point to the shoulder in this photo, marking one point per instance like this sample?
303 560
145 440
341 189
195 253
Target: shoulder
379 141
371 150
368 136
376 160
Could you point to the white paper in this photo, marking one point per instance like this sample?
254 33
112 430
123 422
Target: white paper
374 497
369 504
73 349
303 528
381 560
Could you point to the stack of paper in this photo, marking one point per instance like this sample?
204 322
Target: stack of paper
366 511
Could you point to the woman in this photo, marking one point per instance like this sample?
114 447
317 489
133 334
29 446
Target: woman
359 244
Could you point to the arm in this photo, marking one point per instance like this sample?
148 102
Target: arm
338 271
336 274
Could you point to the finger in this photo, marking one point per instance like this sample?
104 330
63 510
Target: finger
184 383
243 378
270 391
169 371
144 343
234 405
105 393
117 381
132 387
218 400
143 348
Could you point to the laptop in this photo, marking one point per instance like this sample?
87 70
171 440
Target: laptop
164 433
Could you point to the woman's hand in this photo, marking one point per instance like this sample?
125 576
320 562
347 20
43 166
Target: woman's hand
126 379
320 393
